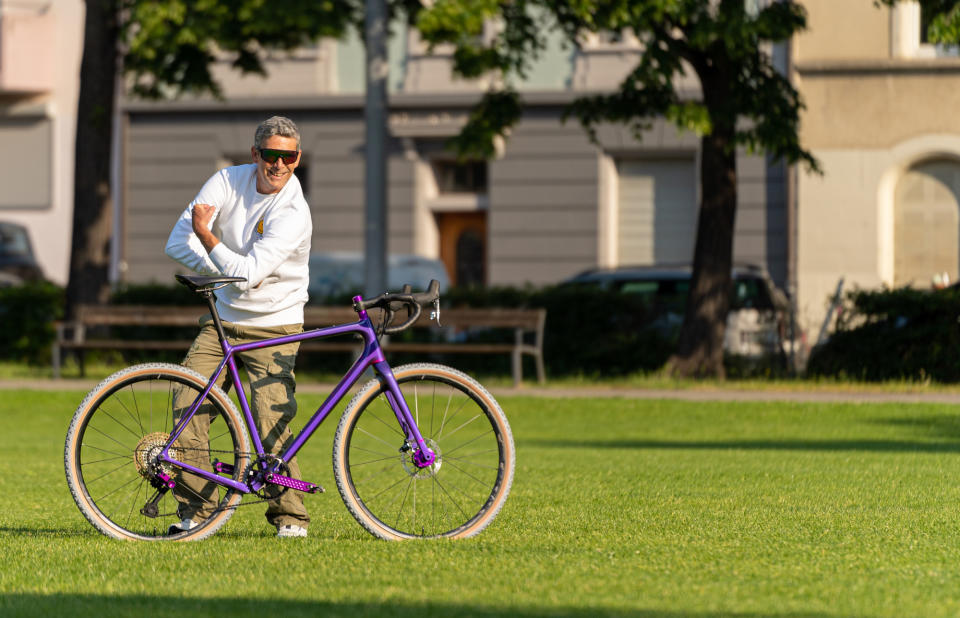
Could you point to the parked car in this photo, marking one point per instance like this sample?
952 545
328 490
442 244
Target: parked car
17 261
341 273
755 324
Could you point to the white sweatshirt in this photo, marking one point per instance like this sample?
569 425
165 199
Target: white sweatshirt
263 238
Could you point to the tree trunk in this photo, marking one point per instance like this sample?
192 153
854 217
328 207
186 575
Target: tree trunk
92 205
700 347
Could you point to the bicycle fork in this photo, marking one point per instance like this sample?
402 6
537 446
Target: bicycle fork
423 456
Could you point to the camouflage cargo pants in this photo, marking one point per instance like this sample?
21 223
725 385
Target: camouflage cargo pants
273 406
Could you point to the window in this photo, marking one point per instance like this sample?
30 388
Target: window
26 182
610 40
909 40
460 177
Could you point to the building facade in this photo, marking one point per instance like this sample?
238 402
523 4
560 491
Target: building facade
550 204
882 119
40 49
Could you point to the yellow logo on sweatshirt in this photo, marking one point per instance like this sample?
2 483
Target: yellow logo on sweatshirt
260 228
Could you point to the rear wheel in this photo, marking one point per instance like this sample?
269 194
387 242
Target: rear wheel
115 435
455 497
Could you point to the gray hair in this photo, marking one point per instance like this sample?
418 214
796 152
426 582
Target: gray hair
276 125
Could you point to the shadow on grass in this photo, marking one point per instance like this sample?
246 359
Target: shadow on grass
880 446
943 431
104 606
940 426
62 532
267 532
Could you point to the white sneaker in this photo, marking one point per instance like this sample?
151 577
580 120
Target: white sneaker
290 531
183 526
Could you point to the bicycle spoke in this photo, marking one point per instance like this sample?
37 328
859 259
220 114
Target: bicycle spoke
112 446
366 463
392 427
458 428
109 472
465 473
450 496
103 450
462 460
402 502
452 499
480 436
377 438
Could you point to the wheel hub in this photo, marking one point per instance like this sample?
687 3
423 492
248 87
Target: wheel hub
406 458
148 449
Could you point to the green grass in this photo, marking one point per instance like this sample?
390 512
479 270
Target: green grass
619 508
99 369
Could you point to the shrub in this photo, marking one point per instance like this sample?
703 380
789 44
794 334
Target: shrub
27 312
902 334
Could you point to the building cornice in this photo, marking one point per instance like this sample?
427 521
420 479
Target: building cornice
396 101
892 66
339 101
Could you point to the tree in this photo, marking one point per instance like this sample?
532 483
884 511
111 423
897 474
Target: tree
167 48
92 226
745 102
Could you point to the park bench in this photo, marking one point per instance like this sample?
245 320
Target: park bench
90 329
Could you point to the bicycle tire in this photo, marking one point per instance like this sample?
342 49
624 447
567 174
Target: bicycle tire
109 439
464 489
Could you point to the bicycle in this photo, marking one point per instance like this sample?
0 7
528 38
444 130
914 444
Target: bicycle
421 451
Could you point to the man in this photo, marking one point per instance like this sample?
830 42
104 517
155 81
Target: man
249 221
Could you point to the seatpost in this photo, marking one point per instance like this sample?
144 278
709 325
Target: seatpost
212 303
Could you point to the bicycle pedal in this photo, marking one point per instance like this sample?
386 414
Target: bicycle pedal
286 481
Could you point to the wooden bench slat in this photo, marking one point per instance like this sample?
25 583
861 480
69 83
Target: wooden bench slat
455 348
523 321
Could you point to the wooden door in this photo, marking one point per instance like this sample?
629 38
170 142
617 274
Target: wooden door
463 246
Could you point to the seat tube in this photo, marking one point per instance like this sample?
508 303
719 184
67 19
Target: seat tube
423 456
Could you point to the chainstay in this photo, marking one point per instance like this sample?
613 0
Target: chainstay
221 509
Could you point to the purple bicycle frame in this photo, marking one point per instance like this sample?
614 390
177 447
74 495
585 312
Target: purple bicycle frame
372 356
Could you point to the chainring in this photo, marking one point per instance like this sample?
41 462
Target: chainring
256 470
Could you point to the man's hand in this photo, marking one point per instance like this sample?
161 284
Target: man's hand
202 217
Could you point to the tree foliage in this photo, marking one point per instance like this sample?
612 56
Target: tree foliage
170 44
167 48
678 36
744 102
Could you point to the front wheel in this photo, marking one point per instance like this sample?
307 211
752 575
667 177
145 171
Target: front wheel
113 440
455 497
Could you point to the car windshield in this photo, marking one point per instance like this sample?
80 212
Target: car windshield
14 242
748 292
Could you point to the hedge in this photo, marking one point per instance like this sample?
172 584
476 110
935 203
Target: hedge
901 334
588 332
27 313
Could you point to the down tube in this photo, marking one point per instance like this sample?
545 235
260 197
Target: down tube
372 356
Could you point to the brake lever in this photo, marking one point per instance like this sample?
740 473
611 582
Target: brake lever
435 314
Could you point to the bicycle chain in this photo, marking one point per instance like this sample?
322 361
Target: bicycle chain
220 509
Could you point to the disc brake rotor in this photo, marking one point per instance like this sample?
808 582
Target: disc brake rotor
406 458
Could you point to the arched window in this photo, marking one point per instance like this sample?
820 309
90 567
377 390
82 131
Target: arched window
927 223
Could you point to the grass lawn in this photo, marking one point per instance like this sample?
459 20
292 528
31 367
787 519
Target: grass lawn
619 508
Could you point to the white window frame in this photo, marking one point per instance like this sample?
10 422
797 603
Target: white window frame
905 40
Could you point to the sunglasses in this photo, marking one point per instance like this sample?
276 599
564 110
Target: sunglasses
270 155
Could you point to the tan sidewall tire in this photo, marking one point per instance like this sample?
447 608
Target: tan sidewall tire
86 505
369 391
